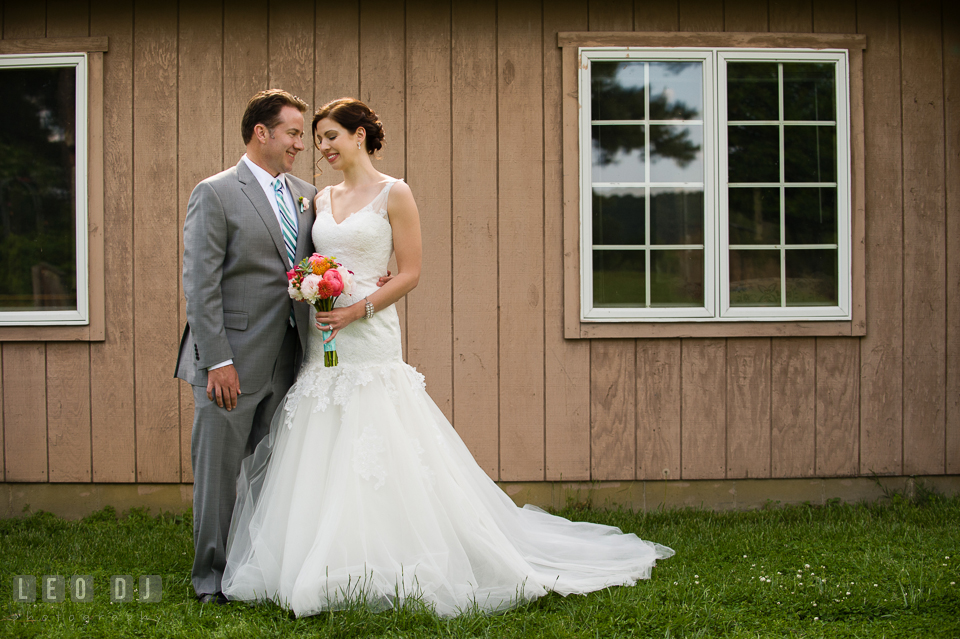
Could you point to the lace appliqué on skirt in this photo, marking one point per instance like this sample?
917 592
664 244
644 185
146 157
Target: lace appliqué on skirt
366 457
338 383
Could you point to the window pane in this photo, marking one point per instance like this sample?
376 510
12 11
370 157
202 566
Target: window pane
676 153
676 216
676 91
618 153
616 91
808 91
676 278
754 278
812 277
810 153
37 197
618 215
754 215
618 278
752 91
811 216
754 154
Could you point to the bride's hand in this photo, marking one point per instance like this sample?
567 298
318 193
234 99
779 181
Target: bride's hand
335 320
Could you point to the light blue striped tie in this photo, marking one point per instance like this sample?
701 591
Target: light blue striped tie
288 228
288 223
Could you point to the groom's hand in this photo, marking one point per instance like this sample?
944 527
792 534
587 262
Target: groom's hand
384 279
223 385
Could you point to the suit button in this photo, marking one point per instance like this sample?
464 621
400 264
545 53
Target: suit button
196 352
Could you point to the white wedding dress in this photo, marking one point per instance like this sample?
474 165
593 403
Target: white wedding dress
363 492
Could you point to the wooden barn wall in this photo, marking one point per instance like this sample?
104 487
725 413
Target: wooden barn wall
469 92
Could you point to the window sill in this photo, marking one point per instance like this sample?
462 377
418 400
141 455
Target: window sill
641 330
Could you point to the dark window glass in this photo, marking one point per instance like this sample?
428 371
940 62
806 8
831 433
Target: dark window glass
754 154
752 91
618 215
754 215
811 215
809 91
811 277
676 278
37 190
618 278
754 278
810 153
676 216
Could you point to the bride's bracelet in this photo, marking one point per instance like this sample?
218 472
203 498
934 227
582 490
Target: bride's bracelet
369 309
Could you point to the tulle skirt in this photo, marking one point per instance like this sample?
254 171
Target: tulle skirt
364 492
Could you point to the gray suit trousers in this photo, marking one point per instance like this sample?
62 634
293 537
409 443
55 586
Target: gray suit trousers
220 441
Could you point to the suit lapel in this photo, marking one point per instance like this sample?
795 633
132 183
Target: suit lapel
304 218
254 192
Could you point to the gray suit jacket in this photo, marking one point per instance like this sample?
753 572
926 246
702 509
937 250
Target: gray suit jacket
234 277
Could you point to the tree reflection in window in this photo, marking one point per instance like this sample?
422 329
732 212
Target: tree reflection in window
37 189
618 93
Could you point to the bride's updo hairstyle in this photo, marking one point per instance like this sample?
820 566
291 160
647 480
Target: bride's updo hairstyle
352 114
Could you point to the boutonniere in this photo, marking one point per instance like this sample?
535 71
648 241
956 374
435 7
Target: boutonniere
304 204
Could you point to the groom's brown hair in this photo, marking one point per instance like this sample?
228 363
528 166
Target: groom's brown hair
264 108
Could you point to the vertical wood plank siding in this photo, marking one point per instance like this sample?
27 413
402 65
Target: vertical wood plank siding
470 96
201 94
924 256
566 362
951 91
68 364
155 240
112 401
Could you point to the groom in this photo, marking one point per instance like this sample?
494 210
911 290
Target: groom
244 339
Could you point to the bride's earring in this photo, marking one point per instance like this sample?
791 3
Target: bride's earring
359 144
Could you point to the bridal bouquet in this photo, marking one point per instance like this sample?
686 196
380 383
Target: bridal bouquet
320 280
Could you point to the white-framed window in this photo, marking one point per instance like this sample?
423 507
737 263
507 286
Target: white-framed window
44 249
715 184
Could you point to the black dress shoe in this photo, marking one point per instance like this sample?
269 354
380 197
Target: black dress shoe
216 598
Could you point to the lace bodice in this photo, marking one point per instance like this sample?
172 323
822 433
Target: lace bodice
363 243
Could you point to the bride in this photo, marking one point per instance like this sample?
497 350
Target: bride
363 492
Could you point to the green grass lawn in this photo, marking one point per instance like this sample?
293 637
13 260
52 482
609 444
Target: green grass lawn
884 570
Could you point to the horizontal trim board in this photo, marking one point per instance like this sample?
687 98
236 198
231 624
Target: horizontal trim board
55 45
710 39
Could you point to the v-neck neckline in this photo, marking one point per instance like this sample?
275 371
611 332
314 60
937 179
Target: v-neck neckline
375 198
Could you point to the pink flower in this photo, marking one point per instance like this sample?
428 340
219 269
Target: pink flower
310 287
292 273
332 276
